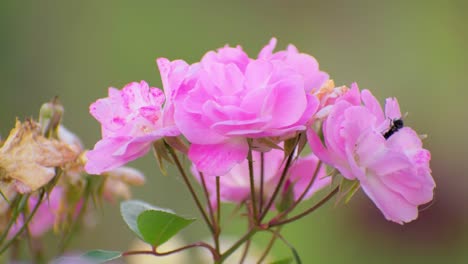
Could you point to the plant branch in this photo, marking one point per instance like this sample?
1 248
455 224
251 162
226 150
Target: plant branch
262 181
159 254
26 222
236 245
252 185
280 183
277 222
190 187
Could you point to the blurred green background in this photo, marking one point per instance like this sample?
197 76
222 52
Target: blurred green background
413 50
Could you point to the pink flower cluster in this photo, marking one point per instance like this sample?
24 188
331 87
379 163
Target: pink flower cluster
227 102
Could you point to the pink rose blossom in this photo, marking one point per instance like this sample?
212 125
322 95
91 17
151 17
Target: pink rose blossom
393 172
227 98
235 185
131 121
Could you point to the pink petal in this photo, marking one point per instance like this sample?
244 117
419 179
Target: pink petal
372 105
392 109
267 51
286 102
393 206
111 153
218 159
317 147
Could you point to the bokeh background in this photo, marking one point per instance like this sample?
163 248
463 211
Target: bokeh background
413 50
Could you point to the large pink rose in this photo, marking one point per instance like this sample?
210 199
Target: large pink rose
131 119
235 185
392 168
228 98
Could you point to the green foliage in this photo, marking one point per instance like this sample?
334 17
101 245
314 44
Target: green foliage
283 261
152 224
101 256
158 226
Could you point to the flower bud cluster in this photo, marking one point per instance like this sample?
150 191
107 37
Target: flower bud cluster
43 182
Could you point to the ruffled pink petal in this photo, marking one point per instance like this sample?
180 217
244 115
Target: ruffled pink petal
111 153
286 102
393 206
258 74
392 108
372 105
317 147
196 129
267 51
218 159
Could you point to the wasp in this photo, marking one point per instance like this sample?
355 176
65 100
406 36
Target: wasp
395 125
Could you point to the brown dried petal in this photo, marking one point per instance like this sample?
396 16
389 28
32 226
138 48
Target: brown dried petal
30 158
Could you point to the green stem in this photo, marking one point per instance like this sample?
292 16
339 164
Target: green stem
252 185
21 203
306 190
245 251
207 197
277 222
159 254
280 183
262 180
75 223
25 224
190 187
269 246
218 215
236 245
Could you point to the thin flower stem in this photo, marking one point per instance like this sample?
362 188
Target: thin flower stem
35 248
26 222
269 246
280 183
252 185
207 197
159 254
218 200
190 187
262 181
306 190
75 225
218 217
21 203
277 222
245 251
236 245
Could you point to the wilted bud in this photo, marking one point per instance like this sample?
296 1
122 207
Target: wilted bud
28 160
49 117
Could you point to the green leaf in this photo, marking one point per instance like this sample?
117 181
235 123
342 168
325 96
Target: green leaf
289 146
101 256
160 153
347 189
158 226
130 210
283 261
